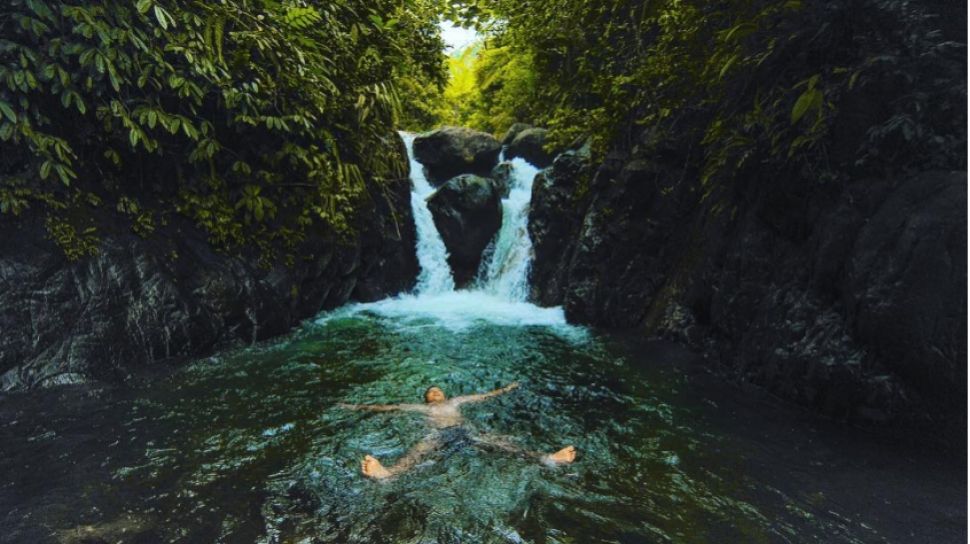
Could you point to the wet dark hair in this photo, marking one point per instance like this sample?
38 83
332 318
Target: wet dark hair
428 390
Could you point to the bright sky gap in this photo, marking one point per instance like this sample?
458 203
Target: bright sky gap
455 37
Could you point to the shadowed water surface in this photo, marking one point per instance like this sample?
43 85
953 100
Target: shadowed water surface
249 447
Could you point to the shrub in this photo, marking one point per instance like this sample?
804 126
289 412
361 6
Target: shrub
258 119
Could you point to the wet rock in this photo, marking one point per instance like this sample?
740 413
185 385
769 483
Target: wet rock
514 131
140 302
451 151
559 195
502 176
467 212
850 300
530 144
904 285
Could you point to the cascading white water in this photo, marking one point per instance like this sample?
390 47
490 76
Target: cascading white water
435 274
499 296
506 272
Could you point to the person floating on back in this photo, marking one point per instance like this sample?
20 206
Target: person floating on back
444 416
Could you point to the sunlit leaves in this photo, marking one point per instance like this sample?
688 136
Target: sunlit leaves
163 17
302 18
250 118
770 77
256 207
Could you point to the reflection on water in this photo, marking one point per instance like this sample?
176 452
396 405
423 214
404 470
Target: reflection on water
249 447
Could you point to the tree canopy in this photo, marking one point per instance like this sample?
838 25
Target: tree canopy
256 118
873 85
259 119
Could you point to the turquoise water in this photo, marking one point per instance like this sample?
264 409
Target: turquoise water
249 446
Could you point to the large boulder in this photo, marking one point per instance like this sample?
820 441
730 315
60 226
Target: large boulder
452 151
467 212
555 220
514 131
530 144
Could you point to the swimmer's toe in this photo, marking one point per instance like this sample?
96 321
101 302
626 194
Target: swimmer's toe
562 457
372 468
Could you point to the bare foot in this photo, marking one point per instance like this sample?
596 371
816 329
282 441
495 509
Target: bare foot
562 457
372 468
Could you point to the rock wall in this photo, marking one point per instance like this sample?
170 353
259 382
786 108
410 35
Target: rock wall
849 298
142 302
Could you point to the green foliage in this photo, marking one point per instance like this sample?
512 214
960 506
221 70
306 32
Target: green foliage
76 242
422 109
793 85
142 220
461 97
258 119
499 88
489 88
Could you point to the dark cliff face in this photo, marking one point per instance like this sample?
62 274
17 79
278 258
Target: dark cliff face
847 298
141 302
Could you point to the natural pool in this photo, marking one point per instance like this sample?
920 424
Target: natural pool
248 446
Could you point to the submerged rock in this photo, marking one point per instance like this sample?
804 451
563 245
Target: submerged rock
467 212
451 151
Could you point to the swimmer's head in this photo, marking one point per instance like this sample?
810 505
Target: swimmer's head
434 394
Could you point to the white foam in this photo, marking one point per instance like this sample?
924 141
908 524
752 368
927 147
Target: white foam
458 311
500 296
507 270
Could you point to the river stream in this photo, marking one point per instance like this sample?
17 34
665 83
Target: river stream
250 445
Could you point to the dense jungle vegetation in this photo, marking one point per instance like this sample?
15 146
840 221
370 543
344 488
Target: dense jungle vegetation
820 88
258 119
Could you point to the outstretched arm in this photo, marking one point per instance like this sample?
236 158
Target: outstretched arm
478 398
382 407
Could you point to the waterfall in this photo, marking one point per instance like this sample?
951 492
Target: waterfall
505 270
435 274
498 297
505 267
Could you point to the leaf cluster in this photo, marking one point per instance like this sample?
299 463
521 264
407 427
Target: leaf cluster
814 87
256 118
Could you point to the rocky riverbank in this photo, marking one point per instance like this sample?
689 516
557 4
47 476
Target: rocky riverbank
847 298
141 302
